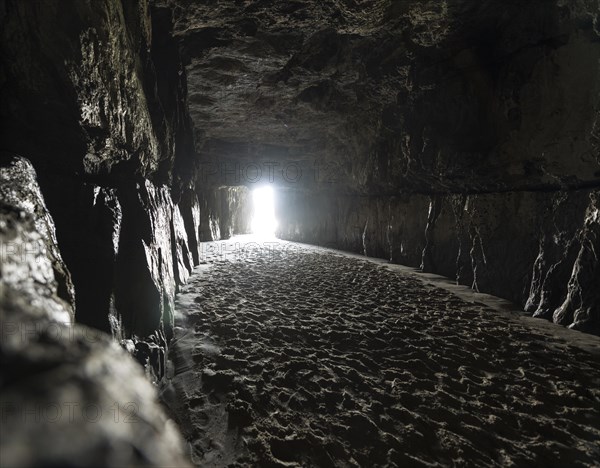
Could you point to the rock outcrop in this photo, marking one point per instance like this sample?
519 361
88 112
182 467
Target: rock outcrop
95 95
31 266
68 390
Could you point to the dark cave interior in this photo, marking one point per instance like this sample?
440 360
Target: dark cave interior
458 138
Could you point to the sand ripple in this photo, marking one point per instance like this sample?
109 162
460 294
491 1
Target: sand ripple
308 358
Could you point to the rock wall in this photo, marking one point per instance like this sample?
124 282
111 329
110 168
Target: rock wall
471 145
67 390
31 266
94 95
537 249
226 212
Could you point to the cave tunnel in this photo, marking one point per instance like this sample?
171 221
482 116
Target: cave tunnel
303 233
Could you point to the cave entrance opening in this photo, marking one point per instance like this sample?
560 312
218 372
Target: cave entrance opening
263 222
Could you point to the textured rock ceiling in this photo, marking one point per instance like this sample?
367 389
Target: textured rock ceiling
279 75
415 95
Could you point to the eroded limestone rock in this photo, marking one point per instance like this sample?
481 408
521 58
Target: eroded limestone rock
94 94
69 394
30 261
581 308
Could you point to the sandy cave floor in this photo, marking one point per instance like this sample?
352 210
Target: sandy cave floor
286 355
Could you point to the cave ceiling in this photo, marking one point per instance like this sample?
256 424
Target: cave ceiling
391 95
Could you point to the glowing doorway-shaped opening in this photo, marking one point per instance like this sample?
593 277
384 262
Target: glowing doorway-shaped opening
263 220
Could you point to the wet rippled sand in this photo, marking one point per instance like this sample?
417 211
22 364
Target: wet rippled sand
299 357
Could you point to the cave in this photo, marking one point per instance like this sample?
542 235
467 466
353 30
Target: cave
302 233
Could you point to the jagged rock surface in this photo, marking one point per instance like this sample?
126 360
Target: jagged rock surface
69 395
31 263
226 211
537 250
95 95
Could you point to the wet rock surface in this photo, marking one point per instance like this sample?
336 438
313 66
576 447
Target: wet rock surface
30 262
146 263
287 355
94 95
96 86
69 394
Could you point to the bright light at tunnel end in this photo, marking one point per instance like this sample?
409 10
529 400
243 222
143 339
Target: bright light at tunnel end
263 221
